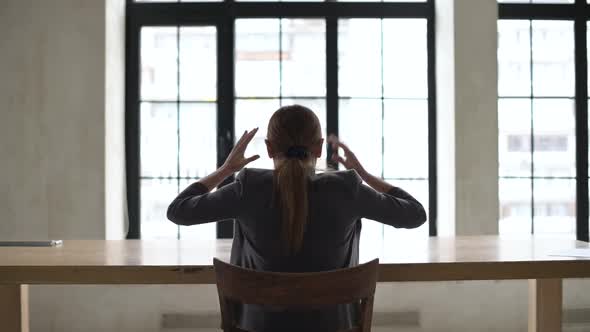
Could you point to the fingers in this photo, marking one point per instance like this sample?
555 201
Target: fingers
251 159
333 140
341 160
241 138
336 143
250 136
344 147
245 139
345 163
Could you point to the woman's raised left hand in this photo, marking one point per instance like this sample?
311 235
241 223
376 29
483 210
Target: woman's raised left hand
236 160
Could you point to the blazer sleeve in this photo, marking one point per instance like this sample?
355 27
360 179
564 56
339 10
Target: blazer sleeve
196 205
395 208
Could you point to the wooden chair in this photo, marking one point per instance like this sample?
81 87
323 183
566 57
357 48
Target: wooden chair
296 290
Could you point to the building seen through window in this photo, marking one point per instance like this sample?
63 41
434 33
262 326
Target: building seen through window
537 143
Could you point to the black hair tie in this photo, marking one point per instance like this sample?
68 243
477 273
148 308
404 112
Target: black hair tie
298 152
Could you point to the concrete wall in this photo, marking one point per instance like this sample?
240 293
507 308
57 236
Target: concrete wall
52 128
116 223
467 114
60 142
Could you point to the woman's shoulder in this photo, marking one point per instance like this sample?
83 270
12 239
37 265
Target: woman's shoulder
255 182
345 181
255 176
341 181
349 175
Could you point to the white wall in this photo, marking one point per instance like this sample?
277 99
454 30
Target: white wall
467 114
52 128
60 142
114 111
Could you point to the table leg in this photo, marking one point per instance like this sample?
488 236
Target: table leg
545 303
14 308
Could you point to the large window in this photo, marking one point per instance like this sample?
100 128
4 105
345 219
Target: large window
543 132
278 62
199 73
383 102
177 116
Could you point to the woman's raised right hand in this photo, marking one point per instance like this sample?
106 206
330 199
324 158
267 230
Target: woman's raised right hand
350 161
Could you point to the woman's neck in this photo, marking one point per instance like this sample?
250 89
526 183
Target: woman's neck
310 164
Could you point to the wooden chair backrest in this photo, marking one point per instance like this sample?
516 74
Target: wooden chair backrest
296 290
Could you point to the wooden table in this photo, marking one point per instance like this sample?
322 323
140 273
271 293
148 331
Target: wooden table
187 262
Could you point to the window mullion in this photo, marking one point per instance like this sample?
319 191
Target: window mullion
432 169
331 82
581 63
132 117
225 103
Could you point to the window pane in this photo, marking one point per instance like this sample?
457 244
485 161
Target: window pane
359 58
198 139
357 115
156 195
536 1
177 0
303 57
374 234
554 141
405 135
514 58
405 58
159 63
553 58
282 0
249 115
159 140
382 1
555 206
198 67
515 206
257 57
371 241
514 148
418 189
200 232
552 125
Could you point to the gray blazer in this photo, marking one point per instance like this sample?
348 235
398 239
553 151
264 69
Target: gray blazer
337 202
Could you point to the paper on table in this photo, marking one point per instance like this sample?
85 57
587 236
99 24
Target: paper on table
578 252
49 243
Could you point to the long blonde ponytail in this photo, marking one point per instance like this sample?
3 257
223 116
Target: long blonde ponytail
291 190
292 130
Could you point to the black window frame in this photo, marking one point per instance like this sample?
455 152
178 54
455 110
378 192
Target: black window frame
579 13
222 15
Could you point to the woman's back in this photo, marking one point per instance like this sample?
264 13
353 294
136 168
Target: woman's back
330 242
292 220
330 233
337 201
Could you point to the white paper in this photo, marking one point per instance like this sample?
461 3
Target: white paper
578 252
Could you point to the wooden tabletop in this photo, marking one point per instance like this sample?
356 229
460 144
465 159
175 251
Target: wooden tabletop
182 262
